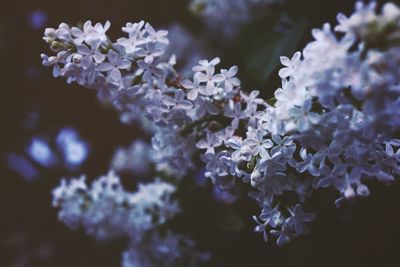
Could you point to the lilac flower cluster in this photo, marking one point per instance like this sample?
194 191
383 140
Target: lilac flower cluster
338 110
333 122
107 211
147 84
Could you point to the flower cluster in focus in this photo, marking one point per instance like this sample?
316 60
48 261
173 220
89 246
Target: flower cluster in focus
333 123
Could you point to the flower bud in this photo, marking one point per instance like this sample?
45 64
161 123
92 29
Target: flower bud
349 193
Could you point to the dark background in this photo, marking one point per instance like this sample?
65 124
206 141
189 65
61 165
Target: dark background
365 233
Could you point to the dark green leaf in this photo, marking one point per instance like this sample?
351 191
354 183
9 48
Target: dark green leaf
262 51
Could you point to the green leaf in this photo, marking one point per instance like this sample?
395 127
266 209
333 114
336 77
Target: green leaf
263 50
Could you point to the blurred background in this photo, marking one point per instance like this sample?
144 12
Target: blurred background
44 121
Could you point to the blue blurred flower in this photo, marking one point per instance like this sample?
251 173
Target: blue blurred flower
40 151
37 19
22 166
73 148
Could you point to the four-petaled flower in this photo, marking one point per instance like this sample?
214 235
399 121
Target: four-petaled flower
229 78
290 65
114 65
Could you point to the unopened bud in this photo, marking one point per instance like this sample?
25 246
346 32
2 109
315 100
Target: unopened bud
349 193
57 46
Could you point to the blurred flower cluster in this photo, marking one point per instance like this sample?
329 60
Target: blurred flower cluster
106 210
226 17
333 124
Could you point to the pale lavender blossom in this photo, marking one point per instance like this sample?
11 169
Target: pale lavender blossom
210 79
114 66
210 143
229 77
290 65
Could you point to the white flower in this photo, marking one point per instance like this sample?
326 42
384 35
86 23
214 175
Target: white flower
290 65
136 37
114 65
256 142
205 64
229 78
210 79
209 143
90 33
156 36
